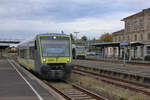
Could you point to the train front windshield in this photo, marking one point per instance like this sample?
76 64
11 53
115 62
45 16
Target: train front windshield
55 46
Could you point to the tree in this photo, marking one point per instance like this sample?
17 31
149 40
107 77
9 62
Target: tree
94 40
84 38
106 37
72 37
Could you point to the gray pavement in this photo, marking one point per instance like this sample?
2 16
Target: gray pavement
14 87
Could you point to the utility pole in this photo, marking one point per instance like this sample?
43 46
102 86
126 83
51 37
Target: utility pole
76 35
89 42
124 58
62 32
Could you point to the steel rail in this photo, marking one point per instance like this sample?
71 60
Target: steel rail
116 79
96 96
60 92
67 97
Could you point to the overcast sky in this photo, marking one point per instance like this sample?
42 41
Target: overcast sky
25 18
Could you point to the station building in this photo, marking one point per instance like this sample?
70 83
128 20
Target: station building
137 31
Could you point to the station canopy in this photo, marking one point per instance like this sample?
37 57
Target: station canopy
106 44
4 45
115 44
137 44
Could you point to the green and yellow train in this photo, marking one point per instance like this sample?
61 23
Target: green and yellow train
49 55
78 52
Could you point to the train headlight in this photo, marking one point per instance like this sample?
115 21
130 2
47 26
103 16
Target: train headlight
54 37
44 60
68 60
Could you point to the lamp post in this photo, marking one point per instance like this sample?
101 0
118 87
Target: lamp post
76 35
124 58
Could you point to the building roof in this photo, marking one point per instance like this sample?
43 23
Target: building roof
118 32
137 14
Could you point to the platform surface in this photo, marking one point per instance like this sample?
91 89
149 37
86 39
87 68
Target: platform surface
130 69
14 87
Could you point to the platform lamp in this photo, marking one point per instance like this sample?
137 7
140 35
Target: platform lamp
124 58
76 35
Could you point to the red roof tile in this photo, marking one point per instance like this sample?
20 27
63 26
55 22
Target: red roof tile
139 13
122 30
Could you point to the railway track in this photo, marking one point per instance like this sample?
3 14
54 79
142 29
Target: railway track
127 84
74 92
78 93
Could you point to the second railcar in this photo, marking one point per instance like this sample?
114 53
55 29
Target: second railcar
78 52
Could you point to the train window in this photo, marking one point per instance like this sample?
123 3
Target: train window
54 47
35 45
19 52
31 53
23 53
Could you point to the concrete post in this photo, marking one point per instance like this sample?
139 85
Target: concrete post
119 51
143 52
130 50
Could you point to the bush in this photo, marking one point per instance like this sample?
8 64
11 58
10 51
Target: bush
147 58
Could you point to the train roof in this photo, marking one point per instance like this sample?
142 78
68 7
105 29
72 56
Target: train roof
53 34
23 43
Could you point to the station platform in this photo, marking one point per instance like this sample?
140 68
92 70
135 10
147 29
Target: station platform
116 60
14 86
128 69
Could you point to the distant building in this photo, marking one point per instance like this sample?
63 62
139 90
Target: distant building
118 36
137 26
137 29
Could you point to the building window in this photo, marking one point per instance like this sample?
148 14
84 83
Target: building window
128 37
119 39
135 37
148 23
148 50
141 24
116 39
124 38
113 39
148 36
141 36
128 27
135 25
